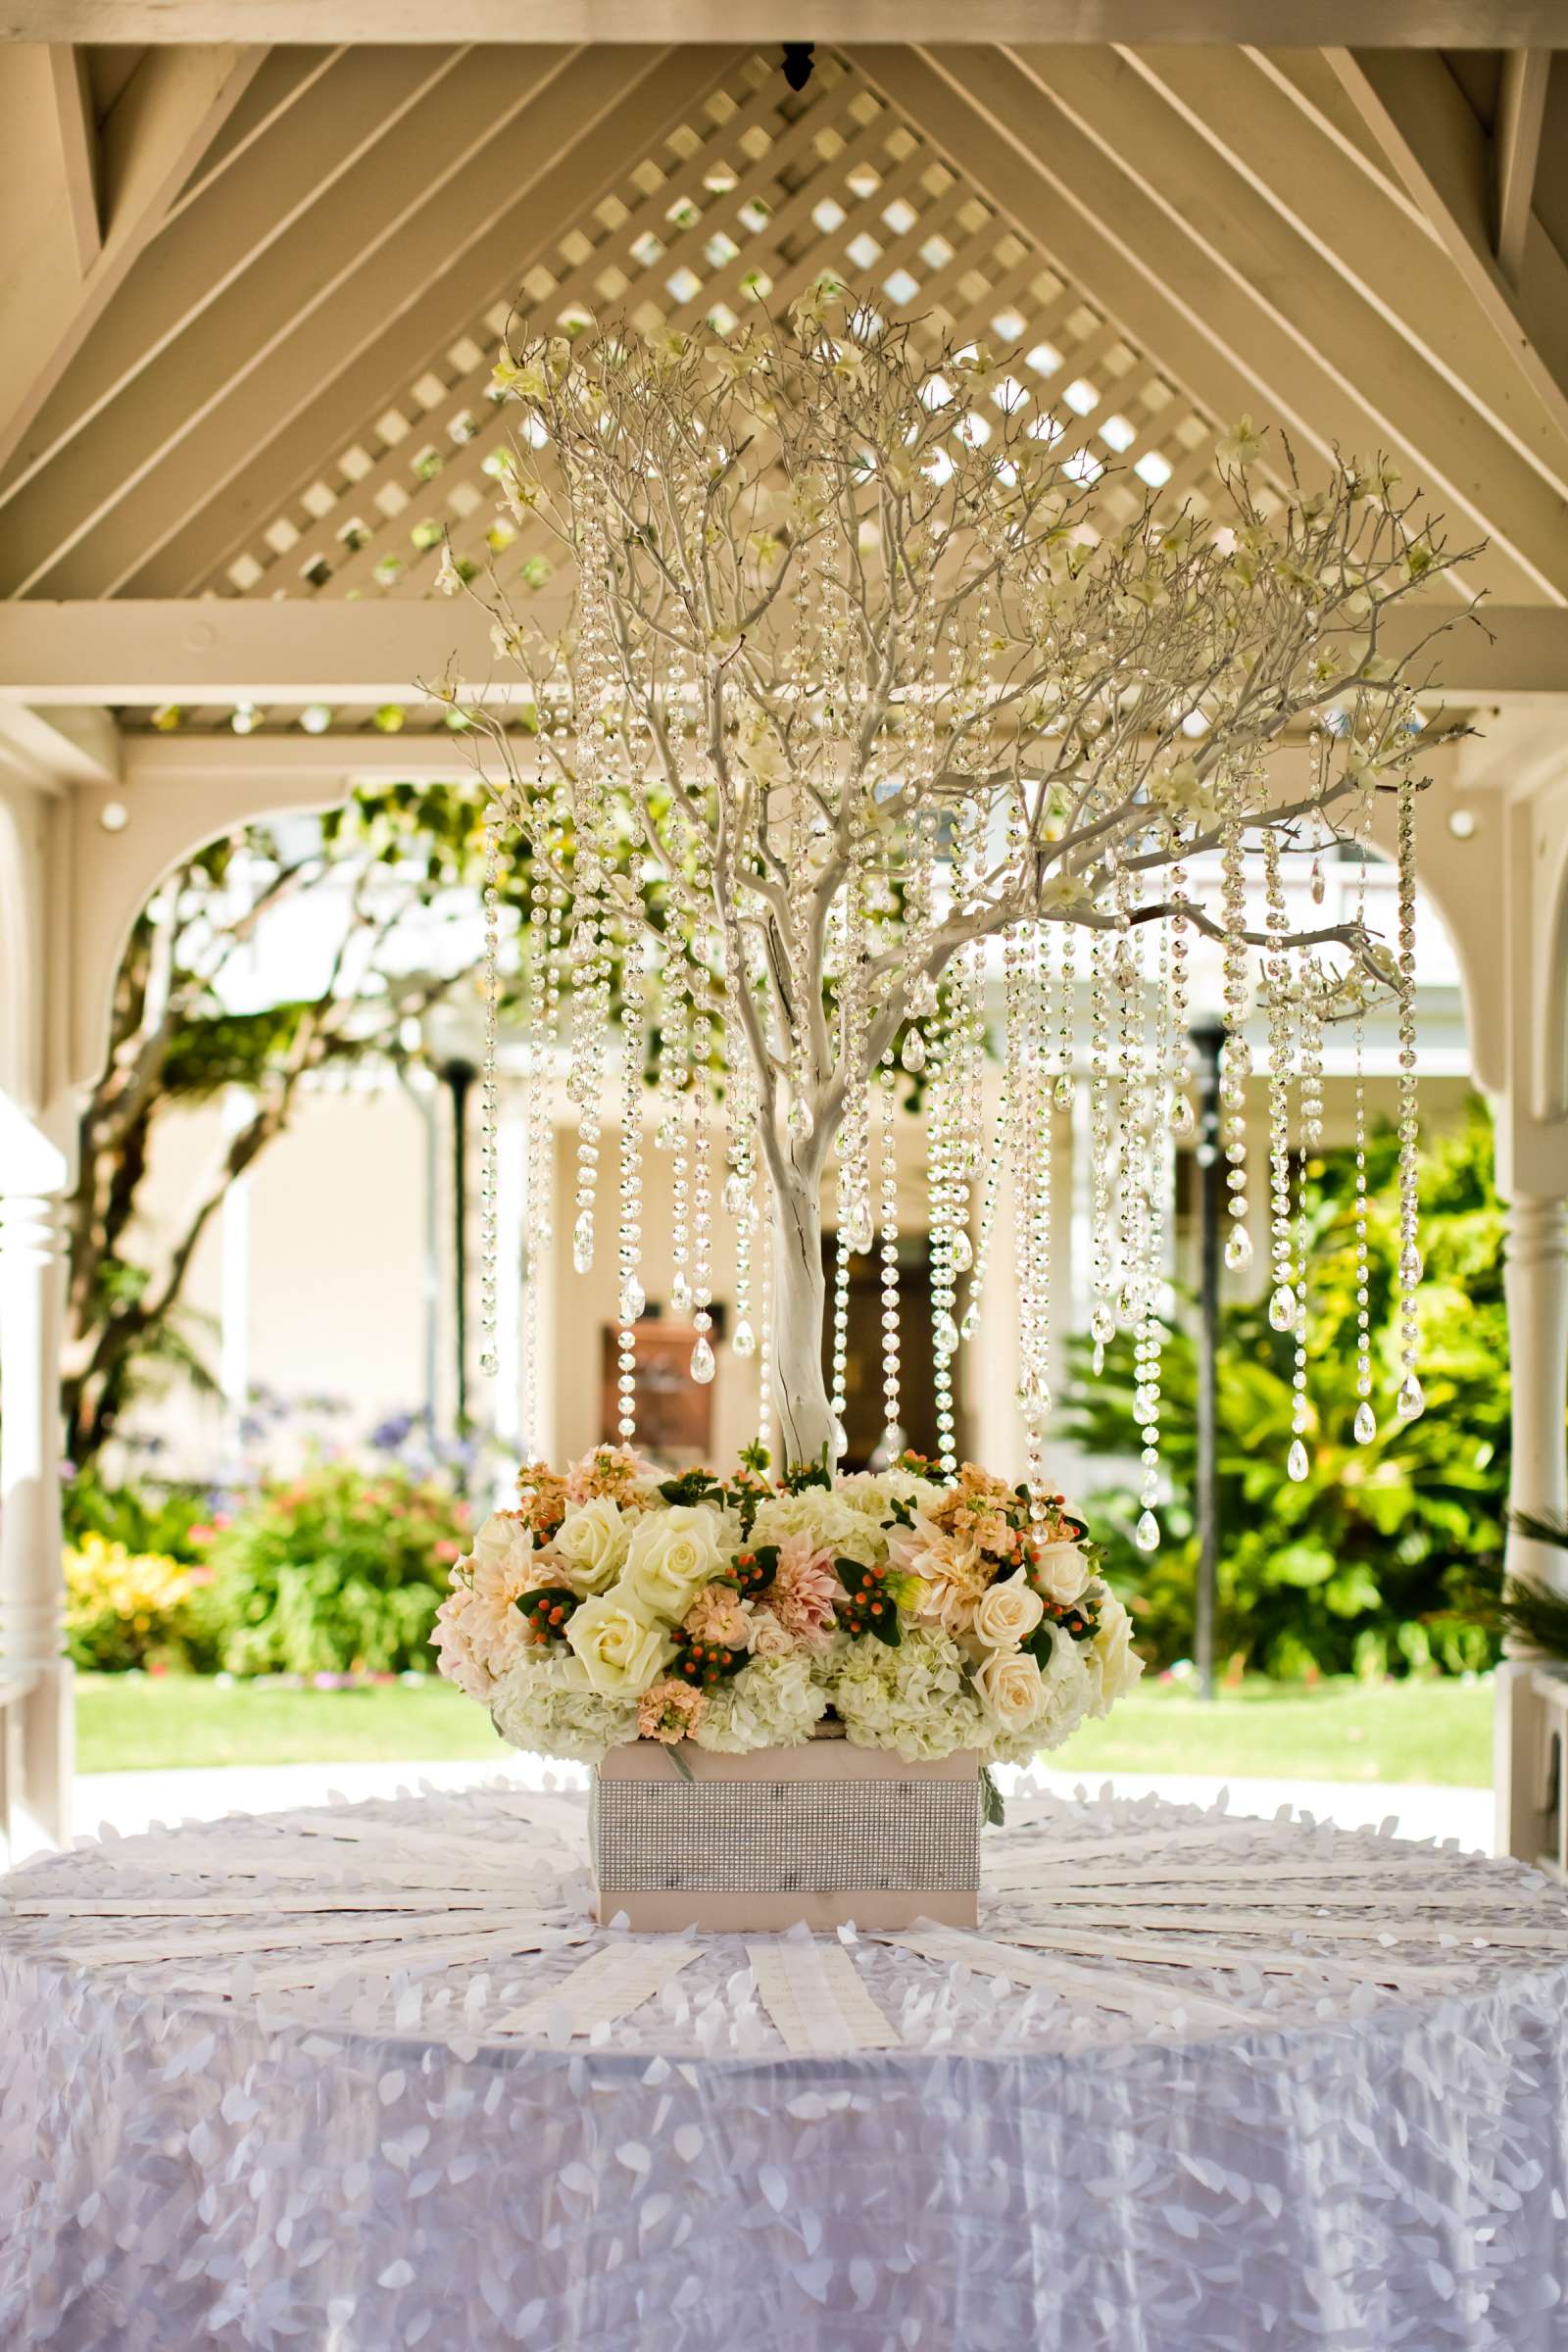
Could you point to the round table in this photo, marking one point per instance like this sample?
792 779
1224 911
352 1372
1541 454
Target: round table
365 2078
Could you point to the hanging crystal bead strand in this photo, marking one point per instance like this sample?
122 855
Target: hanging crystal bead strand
1282 1304
1310 1097
631 1299
1163 1087
1102 1319
888 1174
939 1127
1366 1420
1037 1274
489 1097
1410 1402
1237 1063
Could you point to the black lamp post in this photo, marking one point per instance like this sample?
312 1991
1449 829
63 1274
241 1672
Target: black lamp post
458 1077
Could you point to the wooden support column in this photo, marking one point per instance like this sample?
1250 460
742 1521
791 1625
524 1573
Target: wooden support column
37 1724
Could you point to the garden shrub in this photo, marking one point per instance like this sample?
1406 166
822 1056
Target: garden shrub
126 1608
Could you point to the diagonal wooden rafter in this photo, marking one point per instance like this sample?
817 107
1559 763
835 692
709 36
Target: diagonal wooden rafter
1358 224
612 104
1279 297
1422 119
154 137
1184 292
1521 121
77 128
304 152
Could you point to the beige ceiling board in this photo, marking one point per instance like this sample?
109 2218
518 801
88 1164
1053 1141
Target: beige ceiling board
1420 23
256 353
301 160
633 252
1520 120
224 650
1284 301
606 104
1425 122
77 129
1373 238
284 75
153 137
1169 269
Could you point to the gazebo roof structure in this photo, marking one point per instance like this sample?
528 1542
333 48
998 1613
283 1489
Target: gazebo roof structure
252 286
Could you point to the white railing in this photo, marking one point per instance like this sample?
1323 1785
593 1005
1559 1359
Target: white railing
1552 1689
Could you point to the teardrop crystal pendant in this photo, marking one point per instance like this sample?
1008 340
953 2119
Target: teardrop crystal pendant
1410 1404
961 1250
1295 1461
913 1053
1033 1397
1146 1535
1366 1423
680 1295
858 1230
744 1342
1102 1324
665 1133
582 1242
800 1121
969 1328
703 1364
633 1299
1061 1092
1238 1249
945 1334
1183 1118
1282 1307
1319 884
1410 1267
733 1196
841 1440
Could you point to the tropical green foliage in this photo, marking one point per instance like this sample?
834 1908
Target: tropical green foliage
337 1568
1353 1568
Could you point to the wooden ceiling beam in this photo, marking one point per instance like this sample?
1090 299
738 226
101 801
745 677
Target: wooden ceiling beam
1425 125
77 128
155 134
609 106
299 161
289 651
258 349
1517 145
1416 23
1278 296
1360 224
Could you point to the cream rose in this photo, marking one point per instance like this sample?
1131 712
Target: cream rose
504 1546
592 1542
1120 1663
672 1553
1013 1689
1008 1613
1062 1571
621 1647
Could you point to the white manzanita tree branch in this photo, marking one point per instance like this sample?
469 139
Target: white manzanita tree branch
840 605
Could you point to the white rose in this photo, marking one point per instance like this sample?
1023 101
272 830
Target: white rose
591 1540
1008 1613
1062 1571
672 1552
1011 1684
621 1649
1120 1663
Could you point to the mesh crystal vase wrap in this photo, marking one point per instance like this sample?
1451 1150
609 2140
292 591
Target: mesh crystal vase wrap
820 1833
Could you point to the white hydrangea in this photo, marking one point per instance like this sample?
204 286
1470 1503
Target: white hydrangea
917 1698
829 1521
773 1702
548 1706
874 1491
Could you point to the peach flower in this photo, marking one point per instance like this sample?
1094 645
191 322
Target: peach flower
952 1571
805 1589
716 1616
668 1710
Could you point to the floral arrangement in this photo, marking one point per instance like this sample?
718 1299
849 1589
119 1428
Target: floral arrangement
923 1614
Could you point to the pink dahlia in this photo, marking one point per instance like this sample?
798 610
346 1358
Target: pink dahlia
805 1589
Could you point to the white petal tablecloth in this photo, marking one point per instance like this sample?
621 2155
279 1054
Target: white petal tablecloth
365 2078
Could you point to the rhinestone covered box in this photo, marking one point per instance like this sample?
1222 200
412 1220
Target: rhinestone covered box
821 1834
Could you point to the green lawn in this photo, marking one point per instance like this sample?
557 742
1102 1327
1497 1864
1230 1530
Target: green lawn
1341 1731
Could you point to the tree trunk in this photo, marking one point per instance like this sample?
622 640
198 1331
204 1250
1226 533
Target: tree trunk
800 1304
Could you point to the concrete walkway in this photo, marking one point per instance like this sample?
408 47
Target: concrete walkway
129 1801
